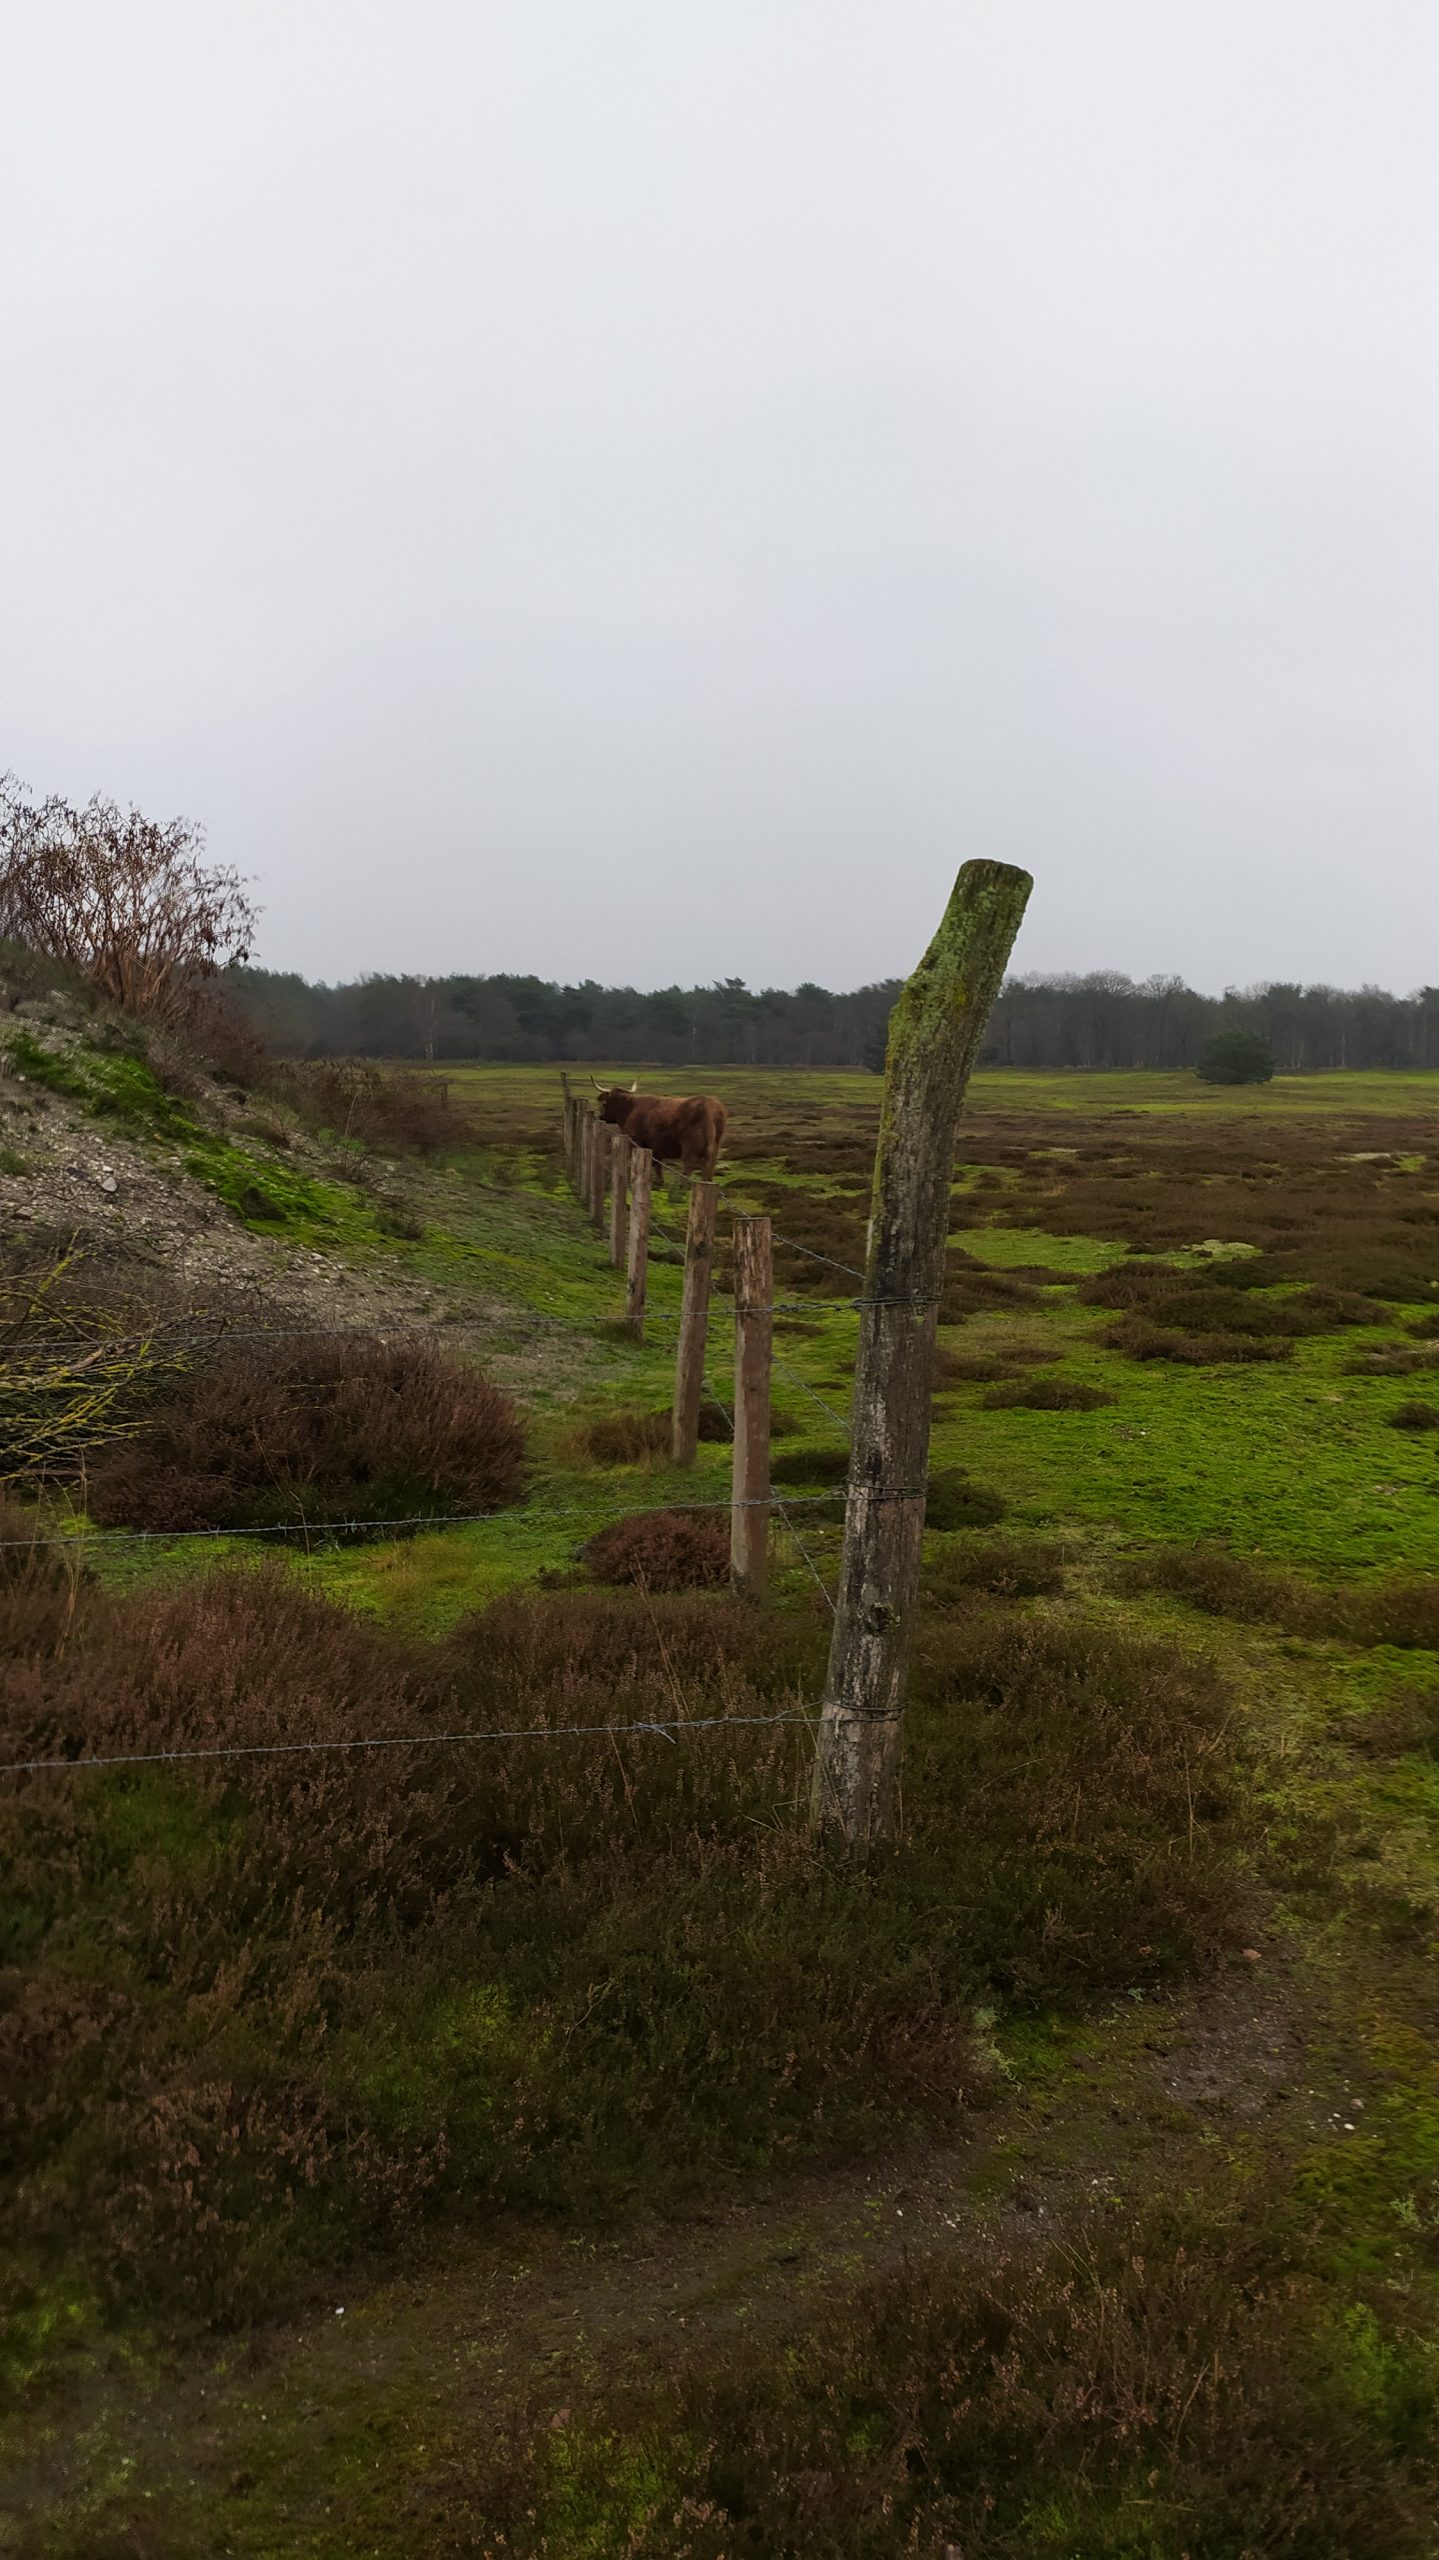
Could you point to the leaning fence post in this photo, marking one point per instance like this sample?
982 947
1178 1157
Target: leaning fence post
638 1268
935 1032
694 1321
599 1155
753 1361
620 1152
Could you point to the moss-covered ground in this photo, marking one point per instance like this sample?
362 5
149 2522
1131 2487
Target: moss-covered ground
1178 2294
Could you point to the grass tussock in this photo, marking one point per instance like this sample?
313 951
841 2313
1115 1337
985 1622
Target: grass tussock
1415 1415
1002 1568
260 2012
334 1428
1173 2379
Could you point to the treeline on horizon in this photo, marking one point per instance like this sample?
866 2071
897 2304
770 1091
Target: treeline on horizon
1099 1020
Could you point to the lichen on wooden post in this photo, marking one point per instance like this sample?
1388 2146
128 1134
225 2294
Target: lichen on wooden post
934 1038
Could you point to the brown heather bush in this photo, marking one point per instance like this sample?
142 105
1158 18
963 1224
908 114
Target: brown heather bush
664 1550
333 1428
1139 1340
1049 1395
1178 2378
1415 1416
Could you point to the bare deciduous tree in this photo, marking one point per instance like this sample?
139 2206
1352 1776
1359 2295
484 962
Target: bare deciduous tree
128 903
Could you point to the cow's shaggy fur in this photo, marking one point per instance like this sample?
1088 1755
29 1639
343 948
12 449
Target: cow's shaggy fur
687 1130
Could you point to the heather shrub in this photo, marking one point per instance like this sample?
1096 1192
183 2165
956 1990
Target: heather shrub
1415 1416
1177 2377
329 1429
1228 1586
1049 1395
953 1501
665 1550
1009 1568
1142 1341
261 2009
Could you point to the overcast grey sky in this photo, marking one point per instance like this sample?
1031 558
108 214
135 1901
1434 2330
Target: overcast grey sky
643 488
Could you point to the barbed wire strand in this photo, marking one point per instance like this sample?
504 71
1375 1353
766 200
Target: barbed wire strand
666 1727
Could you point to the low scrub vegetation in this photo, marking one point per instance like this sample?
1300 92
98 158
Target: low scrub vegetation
328 1428
1178 2377
262 2010
1048 1395
1400 1610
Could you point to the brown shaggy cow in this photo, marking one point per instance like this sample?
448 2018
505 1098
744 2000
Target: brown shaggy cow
685 1130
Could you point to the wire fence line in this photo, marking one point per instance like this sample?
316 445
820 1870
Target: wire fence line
521 1514
664 1728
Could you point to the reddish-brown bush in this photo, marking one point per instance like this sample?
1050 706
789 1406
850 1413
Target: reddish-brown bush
1049 1395
664 1550
329 1429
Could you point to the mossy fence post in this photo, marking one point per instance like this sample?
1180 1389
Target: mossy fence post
598 1164
620 1154
642 1167
694 1321
934 1038
753 1361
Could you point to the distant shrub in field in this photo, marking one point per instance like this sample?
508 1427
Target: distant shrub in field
983 1368
666 1550
1415 1416
1229 1586
1236 1057
1427 1325
1139 1340
336 1428
1393 1360
1402 1611
953 1501
393 1112
1049 1395
1009 1568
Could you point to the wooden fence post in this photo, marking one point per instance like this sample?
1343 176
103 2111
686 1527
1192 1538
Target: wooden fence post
564 1115
637 1271
694 1321
934 1036
582 1156
599 1158
620 1153
753 1363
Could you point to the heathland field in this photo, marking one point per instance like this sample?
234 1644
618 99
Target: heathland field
534 2146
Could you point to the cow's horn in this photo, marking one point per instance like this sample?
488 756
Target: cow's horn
599 1088
634 1088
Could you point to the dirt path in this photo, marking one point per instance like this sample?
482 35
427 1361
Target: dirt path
304 2442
